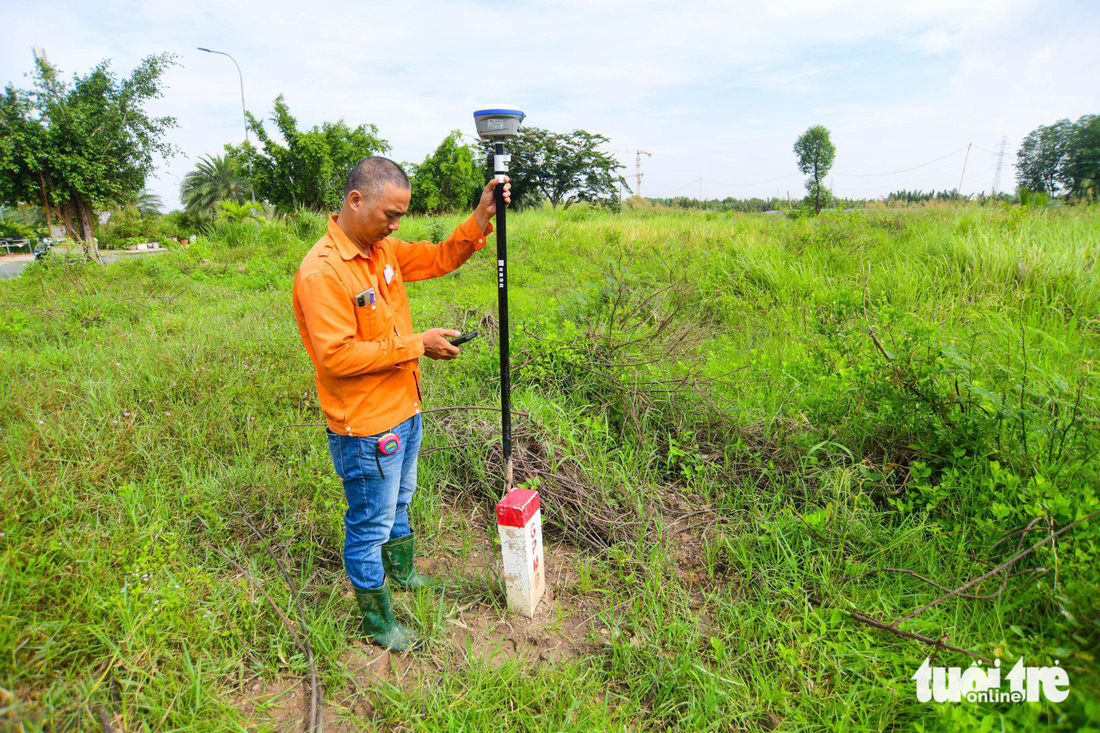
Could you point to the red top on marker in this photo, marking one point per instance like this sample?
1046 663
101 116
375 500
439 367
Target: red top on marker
517 507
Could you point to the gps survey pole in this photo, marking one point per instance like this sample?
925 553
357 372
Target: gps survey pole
519 514
500 170
497 125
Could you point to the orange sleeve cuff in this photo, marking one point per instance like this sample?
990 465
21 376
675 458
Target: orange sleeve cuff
469 231
416 345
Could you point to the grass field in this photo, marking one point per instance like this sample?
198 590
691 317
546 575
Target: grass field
735 420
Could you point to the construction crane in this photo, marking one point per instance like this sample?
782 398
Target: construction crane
637 166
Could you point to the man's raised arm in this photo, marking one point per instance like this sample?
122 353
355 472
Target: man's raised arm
423 260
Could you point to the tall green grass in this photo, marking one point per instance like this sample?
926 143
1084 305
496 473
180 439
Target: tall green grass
899 389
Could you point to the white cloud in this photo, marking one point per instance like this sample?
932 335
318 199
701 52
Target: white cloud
715 90
937 42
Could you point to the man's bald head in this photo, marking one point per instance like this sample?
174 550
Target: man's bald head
370 176
376 196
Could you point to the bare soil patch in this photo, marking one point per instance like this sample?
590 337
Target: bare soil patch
477 629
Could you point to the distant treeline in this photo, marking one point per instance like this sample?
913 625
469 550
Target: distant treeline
726 204
743 205
916 197
782 204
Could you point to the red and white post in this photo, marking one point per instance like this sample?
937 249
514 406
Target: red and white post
519 520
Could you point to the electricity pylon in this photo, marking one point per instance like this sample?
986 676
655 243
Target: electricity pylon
1000 162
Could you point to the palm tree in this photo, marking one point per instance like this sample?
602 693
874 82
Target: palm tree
215 178
137 206
148 203
28 215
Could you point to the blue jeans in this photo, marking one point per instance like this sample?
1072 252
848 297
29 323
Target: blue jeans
378 500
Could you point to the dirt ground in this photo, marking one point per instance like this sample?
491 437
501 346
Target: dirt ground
559 632
565 628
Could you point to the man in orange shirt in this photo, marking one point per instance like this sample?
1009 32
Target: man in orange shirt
354 320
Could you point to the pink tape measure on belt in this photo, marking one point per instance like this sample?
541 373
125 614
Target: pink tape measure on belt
389 443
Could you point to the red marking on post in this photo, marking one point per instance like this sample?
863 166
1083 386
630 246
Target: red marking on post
517 507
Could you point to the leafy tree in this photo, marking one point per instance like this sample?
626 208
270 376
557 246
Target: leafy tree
214 179
23 152
450 179
562 167
81 146
1042 157
1081 172
309 171
815 153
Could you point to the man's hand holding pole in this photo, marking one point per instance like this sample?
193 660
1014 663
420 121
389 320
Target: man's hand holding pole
487 206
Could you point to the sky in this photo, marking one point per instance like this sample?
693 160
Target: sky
716 91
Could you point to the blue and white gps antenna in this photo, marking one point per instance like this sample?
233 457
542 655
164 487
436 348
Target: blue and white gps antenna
497 125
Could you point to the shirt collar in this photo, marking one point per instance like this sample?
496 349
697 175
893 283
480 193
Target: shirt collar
347 248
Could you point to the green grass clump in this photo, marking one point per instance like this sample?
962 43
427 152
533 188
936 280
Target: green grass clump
894 389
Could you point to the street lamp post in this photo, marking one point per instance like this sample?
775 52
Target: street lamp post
179 191
244 114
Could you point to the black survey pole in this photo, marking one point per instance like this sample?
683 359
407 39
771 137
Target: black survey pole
497 125
500 170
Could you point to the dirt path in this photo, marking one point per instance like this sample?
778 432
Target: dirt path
14 264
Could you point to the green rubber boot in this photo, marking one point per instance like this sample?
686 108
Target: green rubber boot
397 560
379 625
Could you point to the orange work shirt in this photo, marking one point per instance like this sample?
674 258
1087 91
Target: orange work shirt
366 354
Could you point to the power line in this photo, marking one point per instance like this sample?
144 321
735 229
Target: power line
965 161
983 167
678 188
699 181
894 173
752 183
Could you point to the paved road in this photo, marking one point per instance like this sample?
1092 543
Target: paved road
13 269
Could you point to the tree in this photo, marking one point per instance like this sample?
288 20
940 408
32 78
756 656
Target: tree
563 168
143 204
215 178
309 171
148 203
23 153
1042 157
815 153
83 146
1081 172
450 179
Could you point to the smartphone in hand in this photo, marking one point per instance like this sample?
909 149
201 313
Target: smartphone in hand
468 336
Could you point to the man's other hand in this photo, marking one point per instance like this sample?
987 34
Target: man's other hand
436 345
487 207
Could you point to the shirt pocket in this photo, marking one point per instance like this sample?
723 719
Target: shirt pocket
368 321
375 321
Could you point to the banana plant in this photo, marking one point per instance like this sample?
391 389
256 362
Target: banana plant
229 210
